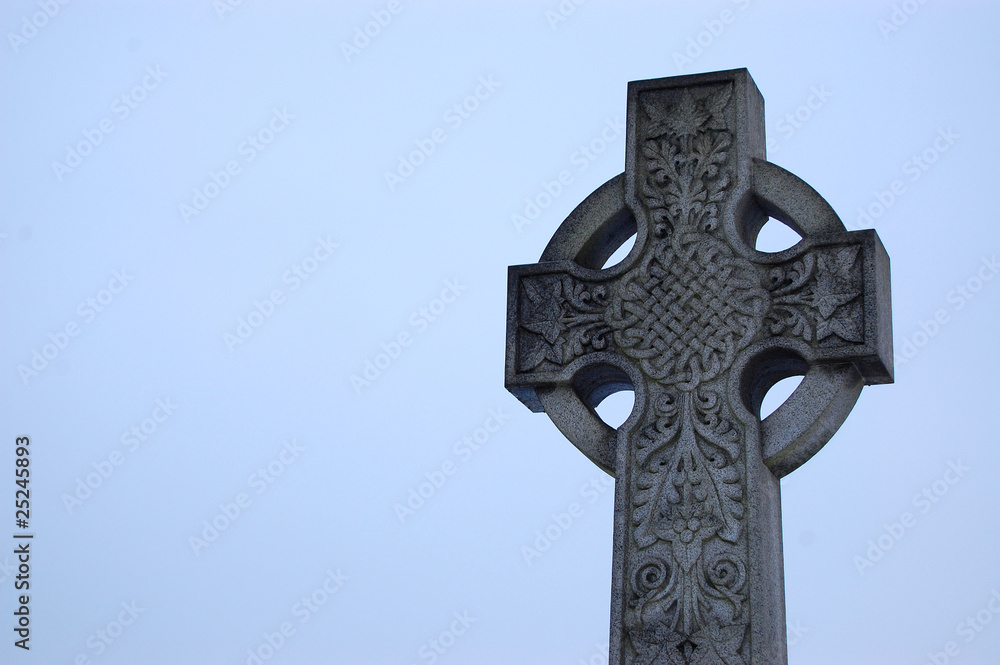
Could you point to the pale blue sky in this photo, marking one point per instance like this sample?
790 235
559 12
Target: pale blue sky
305 237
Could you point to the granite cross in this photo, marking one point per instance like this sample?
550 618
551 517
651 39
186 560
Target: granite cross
699 324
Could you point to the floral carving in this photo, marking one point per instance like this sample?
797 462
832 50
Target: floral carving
562 318
687 514
685 150
817 297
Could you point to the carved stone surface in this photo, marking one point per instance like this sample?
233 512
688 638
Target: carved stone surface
700 325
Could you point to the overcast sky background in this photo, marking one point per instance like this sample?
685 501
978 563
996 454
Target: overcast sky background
854 91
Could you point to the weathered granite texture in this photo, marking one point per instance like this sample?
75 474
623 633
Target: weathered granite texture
700 325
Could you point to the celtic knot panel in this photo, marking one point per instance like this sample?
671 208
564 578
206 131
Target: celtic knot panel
688 310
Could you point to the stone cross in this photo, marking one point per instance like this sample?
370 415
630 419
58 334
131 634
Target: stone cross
699 324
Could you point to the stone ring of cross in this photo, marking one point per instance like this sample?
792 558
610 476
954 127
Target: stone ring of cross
700 325
790 435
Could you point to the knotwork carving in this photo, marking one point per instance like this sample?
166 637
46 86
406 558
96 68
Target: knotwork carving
688 309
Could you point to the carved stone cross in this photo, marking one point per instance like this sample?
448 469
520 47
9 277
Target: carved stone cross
700 325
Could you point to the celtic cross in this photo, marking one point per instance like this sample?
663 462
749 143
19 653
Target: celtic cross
699 324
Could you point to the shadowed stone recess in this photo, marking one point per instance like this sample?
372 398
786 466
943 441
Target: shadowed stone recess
700 325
